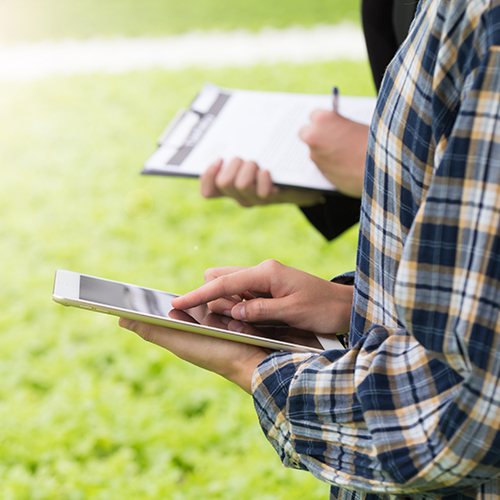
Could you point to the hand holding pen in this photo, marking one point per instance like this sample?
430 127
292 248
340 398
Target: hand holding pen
337 146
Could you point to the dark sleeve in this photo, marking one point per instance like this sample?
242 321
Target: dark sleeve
334 214
385 26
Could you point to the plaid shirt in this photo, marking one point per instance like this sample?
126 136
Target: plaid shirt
413 407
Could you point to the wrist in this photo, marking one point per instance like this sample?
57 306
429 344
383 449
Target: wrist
343 299
240 372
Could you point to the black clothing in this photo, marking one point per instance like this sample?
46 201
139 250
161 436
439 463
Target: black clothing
385 26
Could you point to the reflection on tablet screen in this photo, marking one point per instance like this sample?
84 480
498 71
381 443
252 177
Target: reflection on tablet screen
158 303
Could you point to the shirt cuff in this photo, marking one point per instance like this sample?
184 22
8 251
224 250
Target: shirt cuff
345 279
270 388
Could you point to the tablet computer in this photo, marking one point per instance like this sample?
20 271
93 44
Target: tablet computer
154 306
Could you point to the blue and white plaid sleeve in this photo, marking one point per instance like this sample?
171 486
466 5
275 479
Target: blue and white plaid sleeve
413 408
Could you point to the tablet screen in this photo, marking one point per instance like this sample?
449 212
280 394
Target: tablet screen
158 303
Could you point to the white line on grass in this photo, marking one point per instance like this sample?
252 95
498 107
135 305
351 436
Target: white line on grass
118 55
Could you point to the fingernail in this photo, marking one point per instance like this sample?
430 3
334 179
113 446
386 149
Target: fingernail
238 312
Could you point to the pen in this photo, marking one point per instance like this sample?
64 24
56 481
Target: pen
335 92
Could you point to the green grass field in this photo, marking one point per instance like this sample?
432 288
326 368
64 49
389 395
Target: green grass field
22 20
88 410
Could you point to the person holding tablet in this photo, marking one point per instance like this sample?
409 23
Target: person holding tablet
412 407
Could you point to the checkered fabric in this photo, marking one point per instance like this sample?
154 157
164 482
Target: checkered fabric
412 408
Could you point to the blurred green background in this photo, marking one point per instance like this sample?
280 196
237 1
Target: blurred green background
88 410
40 19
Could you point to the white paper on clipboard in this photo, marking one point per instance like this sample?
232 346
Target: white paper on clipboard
253 125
